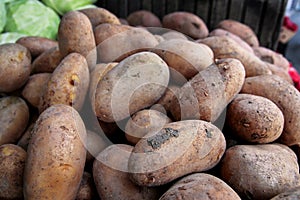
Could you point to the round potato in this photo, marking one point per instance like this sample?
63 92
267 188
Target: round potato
14 117
12 163
15 66
143 18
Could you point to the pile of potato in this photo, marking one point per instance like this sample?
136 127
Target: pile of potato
147 109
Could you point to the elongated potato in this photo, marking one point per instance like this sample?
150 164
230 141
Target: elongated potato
143 18
111 176
139 81
178 149
225 47
285 96
208 93
200 186
260 171
68 84
241 30
254 118
75 34
55 155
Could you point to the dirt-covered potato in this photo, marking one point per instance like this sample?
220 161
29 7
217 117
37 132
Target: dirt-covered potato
178 149
135 83
34 88
55 155
111 177
14 117
15 66
12 163
143 18
260 171
143 122
200 186
208 93
285 96
254 119
87 189
186 23
75 34
68 83
185 58
36 44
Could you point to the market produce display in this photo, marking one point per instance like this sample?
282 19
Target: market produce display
97 107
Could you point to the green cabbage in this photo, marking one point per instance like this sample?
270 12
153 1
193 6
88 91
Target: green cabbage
31 17
2 16
63 6
10 37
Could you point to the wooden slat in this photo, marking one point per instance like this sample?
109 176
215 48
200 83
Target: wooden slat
134 5
203 10
123 9
253 14
158 7
146 5
279 25
111 5
189 6
236 9
218 12
171 6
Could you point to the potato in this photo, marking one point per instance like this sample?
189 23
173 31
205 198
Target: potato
123 21
111 176
208 93
186 23
68 84
87 189
254 119
95 143
159 38
241 30
260 171
174 35
14 117
143 122
225 47
12 162
47 61
133 40
75 34
143 18
292 194
99 16
15 66
285 96
36 44
24 140
185 58
178 149
55 155
35 87
282 73
200 186
139 80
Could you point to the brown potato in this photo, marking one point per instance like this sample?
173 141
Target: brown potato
260 171
12 163
282 73
36 44
178 149
14 117
68 84
208 93
186 23
34 88
87 189
200 186
15 66
292 194
75 34
285 96
143 18
24 140
254 119
55 155
111 176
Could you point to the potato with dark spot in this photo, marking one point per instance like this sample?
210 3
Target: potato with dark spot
200 186
15 66
178 149
143 18
55 155
254 119
68 84
12 163
87 189
14 117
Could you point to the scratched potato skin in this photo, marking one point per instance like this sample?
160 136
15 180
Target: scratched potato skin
178 149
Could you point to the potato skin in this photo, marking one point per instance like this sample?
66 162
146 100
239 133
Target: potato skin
12 163
178 149
55 155
285 96
282 73
200 186
87 189
174 35
14 117
15 66
260 171
254 118
143 18
292 194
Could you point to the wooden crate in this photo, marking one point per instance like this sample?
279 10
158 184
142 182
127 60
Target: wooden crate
265 17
